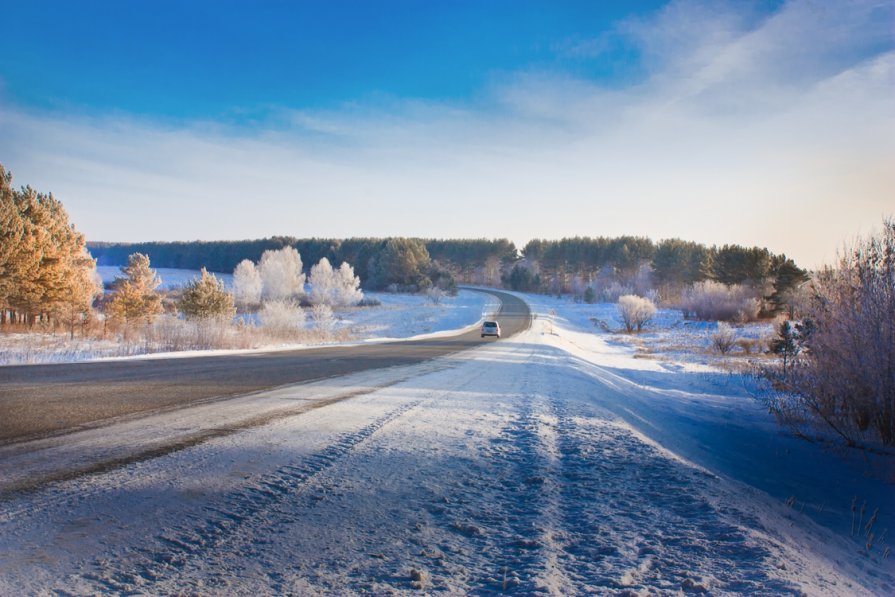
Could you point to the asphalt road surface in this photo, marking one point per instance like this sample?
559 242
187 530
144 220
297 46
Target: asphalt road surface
43 400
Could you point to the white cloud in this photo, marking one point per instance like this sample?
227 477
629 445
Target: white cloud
774 131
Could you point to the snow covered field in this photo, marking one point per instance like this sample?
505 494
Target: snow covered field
554 462
171 278
668 337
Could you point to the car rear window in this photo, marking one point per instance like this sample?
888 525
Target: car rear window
490 324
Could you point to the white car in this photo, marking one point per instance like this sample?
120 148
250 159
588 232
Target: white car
490 328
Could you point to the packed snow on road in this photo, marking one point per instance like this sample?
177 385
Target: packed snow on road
551 462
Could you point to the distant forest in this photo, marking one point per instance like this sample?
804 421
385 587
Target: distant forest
465 260
570 265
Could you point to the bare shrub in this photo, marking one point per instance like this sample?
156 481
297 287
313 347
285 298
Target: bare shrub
612 292
283 319
323 319
723 338
709 300
748 345
635 311
369 302
214 332
844 378
435 295
169 333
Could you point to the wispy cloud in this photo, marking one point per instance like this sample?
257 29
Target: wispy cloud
769 130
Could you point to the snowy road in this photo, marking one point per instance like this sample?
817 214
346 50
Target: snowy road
502 469
41 400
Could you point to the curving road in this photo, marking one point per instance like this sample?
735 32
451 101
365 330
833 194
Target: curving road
42 400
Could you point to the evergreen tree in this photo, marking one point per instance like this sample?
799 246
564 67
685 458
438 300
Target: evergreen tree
45 270
206 298
402 261
521 279
787 278
135 296
786 344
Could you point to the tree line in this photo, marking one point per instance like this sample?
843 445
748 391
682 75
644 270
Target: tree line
574 265
405 263
569 265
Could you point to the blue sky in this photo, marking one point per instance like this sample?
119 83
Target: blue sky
228 59
712 121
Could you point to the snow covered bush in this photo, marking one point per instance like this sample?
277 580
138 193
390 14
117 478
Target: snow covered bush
282 318
723 338
709 300
323 319
336 288
844 378
246 284
614 291
635 311
281 274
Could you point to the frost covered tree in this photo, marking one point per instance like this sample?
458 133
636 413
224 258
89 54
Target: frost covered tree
709 300
322 281
281 274
336 288
135 296
246 284
844 379
206 298
635 311
349 292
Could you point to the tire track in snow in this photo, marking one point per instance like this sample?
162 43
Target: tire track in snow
634 519
503 515
174 549
258 544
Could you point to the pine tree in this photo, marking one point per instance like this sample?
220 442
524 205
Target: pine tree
786 344
12 235
45 270
206 298
135 296
787 278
